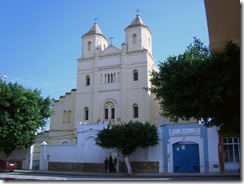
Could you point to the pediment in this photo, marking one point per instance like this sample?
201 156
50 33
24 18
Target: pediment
110 50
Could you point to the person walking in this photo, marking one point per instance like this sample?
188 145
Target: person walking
110 164
106 164
115 164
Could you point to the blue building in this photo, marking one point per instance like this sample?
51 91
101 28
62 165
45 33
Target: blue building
190 148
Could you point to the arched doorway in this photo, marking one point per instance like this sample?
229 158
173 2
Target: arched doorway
186 157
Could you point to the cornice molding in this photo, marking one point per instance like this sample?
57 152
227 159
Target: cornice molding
109 67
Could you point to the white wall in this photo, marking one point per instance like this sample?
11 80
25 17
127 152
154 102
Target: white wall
213 141
85 151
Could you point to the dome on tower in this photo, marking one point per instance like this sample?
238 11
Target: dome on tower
95 30
137 22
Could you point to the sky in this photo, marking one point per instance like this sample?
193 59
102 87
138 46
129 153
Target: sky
40 41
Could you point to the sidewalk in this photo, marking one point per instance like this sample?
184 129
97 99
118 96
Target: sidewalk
212 174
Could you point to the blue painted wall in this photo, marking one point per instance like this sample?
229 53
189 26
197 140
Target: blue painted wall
203 135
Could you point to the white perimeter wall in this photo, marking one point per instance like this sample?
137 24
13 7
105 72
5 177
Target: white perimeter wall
85 151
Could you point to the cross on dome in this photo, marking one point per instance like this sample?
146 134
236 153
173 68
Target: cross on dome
137 11
111 38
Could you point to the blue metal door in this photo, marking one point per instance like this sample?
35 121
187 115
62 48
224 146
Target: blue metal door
186 157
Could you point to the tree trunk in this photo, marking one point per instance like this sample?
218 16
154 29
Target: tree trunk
127 163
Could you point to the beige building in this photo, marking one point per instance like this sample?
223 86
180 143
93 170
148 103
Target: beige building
110 84
223 18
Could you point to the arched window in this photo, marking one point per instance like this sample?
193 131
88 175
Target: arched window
112 78
135 111
135 75
101 79
64 116
109 111
88 80
118 76
108 78
106 112
134 38
69 117
105 78
86 113
65 141
112 112
89 45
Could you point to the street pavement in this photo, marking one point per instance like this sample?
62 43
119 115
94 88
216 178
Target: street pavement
62 175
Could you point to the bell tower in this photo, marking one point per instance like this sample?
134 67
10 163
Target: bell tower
138 36
93 40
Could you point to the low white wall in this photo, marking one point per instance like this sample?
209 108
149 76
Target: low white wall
86 151
64 153
57 153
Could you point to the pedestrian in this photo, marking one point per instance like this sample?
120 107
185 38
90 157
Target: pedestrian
110 164
115 163
106 164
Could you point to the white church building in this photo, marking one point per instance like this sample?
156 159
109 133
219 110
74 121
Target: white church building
110 88
110 83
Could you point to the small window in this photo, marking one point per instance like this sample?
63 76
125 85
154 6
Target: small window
64 116
101 79
135 111
135 75
87 80
89 45
112 78
86 113
106 113
108 78
112 113
105 78
69 117
134 38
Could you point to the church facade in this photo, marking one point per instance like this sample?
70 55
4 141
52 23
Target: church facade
110 88
111 84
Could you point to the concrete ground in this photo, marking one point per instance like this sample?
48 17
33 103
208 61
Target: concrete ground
210 174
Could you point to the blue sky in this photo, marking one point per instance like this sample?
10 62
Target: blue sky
40 40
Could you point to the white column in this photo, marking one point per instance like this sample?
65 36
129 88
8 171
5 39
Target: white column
43 157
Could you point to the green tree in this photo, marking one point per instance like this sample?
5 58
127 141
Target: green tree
22 112
127 137
201 85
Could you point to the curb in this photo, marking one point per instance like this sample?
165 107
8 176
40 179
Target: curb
164 175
